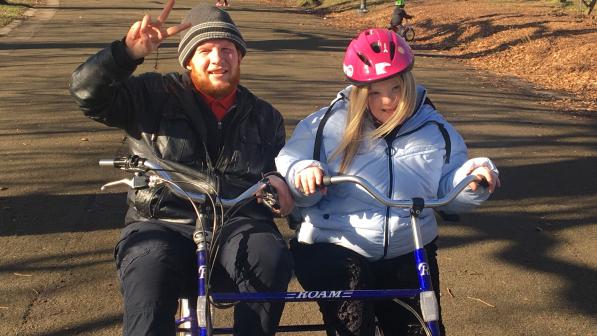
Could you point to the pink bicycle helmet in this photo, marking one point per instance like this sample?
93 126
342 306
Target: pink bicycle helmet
376 54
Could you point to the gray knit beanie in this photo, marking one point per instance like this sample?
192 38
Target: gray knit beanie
208 23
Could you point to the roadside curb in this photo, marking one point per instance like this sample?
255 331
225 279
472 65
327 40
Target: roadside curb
42 13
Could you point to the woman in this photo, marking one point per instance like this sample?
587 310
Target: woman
383 129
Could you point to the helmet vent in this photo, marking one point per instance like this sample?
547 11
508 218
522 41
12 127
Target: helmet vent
392 49
364 59
376 47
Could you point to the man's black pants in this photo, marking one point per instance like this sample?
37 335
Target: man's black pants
156 264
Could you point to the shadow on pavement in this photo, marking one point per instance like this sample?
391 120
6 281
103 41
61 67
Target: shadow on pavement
85 327
549 192
302 41
43 214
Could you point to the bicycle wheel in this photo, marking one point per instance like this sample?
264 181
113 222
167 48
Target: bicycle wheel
409 34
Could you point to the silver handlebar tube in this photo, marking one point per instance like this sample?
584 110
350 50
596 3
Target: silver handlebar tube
199 197
194 196
431 203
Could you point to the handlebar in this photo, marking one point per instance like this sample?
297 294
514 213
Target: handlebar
431 203
138 164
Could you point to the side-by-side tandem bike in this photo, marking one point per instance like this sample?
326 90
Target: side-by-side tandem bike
195 314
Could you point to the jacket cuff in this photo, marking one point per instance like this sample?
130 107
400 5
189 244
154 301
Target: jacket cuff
274 173
122 58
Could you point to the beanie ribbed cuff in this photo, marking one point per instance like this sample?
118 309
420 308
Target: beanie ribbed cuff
208 31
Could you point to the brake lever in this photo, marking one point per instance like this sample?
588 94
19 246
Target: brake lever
269 197
136 183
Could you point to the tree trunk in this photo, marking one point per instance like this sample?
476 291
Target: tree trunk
591 6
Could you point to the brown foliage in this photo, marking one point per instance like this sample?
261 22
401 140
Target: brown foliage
553 48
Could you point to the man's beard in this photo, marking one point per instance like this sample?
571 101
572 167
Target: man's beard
204 85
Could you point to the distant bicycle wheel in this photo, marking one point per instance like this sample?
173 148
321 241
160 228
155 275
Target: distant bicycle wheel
408 33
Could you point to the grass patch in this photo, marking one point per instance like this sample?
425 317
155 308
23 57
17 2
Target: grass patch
14 9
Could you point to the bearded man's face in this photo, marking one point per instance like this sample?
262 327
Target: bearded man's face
215 68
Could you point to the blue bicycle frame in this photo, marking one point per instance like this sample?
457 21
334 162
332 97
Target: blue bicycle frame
199 319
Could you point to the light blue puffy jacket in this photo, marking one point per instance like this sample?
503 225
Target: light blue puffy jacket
415 165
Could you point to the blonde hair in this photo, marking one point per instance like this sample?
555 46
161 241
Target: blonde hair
358 112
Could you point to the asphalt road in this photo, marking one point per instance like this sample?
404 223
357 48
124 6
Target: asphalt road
523 264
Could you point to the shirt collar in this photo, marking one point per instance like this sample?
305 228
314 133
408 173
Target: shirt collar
221 106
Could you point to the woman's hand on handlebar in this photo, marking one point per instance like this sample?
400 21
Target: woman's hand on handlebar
485 177
284 197
309 180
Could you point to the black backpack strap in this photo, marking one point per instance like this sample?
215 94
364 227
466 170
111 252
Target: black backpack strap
440 126
445 135
319 134
447 141
429 102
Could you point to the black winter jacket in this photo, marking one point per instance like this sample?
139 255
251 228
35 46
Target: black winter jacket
165 117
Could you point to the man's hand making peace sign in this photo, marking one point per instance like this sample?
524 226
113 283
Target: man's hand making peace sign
145 36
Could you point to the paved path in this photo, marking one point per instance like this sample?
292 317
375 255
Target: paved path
529 252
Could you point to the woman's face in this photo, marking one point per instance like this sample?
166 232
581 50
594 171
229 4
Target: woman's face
384 97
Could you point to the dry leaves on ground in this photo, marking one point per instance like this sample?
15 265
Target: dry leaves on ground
553 48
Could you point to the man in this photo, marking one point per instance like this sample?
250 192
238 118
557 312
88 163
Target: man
201 120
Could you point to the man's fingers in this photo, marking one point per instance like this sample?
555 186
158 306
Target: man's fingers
176 29
162 18
145 21
133 33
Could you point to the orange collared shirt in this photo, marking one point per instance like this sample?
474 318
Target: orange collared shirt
219 107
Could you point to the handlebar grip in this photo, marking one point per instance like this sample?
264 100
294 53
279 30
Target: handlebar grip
106 162
327 180
116 163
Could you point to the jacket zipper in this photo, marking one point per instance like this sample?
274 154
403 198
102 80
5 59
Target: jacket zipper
390 191
389 152
222 132
222 141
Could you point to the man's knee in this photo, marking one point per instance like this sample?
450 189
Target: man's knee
257 253
270 260
150 250
276 261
